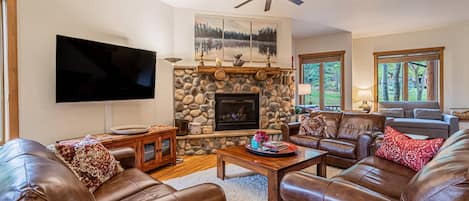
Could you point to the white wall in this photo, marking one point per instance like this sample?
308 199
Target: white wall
145 24
184 36
333 42
456 66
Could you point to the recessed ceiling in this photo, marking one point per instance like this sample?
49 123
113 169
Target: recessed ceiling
360 17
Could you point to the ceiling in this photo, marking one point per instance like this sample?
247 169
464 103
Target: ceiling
362 18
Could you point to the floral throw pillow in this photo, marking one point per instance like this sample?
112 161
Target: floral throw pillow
312 126
406 151
91 162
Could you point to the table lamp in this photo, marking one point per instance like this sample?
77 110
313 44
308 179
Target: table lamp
304 89
364 95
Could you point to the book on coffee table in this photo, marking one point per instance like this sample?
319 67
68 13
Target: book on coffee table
275 146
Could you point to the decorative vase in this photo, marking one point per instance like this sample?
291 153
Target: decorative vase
238 61
258 139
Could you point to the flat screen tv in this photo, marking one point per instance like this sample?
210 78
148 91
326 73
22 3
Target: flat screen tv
93 71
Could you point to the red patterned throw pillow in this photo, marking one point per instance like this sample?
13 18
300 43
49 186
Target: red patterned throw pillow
312 126
91 162
406 151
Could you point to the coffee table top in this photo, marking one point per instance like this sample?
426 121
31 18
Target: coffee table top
275 163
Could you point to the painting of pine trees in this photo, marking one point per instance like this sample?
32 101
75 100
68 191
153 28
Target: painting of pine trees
208 31
224 37
264 41
237 38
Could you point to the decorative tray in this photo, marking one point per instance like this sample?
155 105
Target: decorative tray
291 150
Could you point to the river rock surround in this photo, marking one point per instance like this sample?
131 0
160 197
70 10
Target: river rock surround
194 96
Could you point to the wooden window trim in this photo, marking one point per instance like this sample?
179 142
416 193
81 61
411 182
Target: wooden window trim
409 51
11 38
314 56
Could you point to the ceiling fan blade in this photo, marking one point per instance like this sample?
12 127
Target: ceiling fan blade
297 2
267 5
242 4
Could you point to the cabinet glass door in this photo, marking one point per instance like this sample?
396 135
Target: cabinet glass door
149 153
166 147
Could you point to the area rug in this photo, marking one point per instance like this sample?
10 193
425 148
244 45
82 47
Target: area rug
239 185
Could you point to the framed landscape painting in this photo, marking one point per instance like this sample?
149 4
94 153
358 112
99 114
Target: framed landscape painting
264 41
237 39
208 32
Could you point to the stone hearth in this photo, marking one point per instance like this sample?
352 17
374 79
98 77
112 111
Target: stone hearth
194 100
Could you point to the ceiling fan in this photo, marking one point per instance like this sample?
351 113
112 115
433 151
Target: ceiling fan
268 3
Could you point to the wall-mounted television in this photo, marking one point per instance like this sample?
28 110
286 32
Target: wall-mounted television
94 71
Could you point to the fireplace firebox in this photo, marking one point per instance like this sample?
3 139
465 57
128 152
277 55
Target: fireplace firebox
236 111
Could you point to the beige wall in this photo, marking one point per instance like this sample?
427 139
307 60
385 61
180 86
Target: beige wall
184 36
334 42
145 24
456 66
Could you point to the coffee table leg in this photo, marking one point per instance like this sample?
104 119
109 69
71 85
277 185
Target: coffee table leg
321 167
274 186
220 167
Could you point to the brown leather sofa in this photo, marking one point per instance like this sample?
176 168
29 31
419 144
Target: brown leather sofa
444 178
351 135
29 171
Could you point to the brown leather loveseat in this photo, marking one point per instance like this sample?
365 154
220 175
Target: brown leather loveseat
444 178
29 171
350 136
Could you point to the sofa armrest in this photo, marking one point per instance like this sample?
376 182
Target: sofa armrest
453 123
364 143
125 155
300 186
290 129
201 192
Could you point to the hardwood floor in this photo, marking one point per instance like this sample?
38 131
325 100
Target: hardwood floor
190 165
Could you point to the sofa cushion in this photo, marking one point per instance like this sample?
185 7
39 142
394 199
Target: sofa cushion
18 147
332 122
425 113
446 176
90 160
338 147
392 112
409 106
125 184
353 125
379 175
30 177
151 193
418 123
406 151
312 126
304 140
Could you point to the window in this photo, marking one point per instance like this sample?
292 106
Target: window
409 75
325 73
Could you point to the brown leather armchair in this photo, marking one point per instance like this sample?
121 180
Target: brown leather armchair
29 171
444 178
350 136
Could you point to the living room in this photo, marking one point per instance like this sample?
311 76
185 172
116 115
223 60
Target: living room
343 84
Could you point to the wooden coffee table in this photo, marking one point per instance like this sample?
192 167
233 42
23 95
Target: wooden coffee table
273 168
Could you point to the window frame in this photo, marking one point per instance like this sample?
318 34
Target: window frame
320 56
9 39
376 55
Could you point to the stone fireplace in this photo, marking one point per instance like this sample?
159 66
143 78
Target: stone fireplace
235 111
239 102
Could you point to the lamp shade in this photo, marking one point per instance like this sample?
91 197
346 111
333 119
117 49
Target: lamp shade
304 89
364 94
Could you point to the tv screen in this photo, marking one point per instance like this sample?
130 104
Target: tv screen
93 71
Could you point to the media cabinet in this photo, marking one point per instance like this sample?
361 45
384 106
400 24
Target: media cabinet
153 149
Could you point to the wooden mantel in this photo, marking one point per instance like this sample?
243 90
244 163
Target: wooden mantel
237 70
